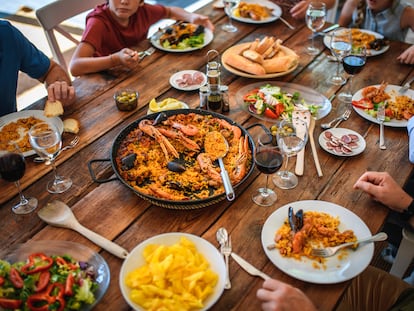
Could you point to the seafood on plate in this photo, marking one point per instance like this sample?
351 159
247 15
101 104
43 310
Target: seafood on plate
254 11
167 160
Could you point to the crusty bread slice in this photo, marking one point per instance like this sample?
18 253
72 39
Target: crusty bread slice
53 109
71 126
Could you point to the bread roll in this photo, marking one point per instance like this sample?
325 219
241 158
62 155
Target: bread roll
71 126
253 56
279 64
264 44
242 63
53 109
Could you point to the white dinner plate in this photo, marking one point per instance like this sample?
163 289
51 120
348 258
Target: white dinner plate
38 114
178 75
208 37
337 270
276 12
308 95
392 90
339 132
136 259
370 52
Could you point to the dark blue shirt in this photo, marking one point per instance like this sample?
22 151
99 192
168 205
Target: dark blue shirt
17 53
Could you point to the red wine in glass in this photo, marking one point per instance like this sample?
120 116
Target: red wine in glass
268 161
353 64
12 169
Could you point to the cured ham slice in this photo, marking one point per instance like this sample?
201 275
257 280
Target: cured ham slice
190 79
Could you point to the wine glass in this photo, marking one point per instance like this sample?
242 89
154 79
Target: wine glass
268 158
341 45
292 136
353 64
315 19
46 141
229 5
12 168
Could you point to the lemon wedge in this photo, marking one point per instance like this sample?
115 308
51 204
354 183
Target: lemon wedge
153 105
166 104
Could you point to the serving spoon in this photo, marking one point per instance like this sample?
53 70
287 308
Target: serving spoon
216 146
59 214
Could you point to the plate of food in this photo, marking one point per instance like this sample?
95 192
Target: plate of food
188 80
256 12
398 107
17 125
179 256
168 103
373 41
261 59
340 225
182 37
342 142
58 258
274 100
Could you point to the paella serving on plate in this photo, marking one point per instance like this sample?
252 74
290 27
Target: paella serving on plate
166 162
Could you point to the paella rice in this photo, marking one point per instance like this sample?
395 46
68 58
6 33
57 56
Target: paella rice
319 230
17 132
169 160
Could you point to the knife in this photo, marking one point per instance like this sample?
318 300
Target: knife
305 116
249 267
325 31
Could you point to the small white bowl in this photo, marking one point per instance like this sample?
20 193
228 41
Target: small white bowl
136 259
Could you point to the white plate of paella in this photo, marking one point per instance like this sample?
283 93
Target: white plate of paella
337 268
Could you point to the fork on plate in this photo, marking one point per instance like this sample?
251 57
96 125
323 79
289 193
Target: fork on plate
330 251
226 251
381 119
406 86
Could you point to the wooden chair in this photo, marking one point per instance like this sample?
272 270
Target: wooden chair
52 15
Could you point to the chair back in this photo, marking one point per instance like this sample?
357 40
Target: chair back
52 15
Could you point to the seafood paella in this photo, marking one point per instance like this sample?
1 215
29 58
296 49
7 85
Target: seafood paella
167 160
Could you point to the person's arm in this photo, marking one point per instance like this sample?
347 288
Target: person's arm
407 21
181 14
345 18
279 296
298 11
83 61
58 84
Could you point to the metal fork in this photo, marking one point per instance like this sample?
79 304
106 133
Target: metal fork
345 117
381 119
406 86
2 123
147 52
72 144
226 251
330 251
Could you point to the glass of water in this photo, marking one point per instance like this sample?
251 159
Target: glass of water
341 45
229 6
315 19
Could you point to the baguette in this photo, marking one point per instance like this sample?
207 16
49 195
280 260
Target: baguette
53 109
71 126
242 63
253 56
264 44
279 64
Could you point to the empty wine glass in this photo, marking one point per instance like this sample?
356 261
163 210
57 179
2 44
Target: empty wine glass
353 64
229 6
341 45
290 142
268 159
46 141
315 19
12 168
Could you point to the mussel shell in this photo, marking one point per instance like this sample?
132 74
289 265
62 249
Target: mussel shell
128 162
176 167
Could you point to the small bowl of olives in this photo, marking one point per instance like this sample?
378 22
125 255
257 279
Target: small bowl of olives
126 100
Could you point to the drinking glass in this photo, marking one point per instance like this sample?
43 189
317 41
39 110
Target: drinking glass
268 159
315 19
229 5
46 141
12 168
353 64
290 142
341 45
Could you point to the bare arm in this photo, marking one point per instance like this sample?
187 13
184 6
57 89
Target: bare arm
407 21
345 18
58 84
84 62
181 14
298 11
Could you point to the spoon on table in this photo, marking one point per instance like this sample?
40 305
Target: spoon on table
59 214
222 237
216 146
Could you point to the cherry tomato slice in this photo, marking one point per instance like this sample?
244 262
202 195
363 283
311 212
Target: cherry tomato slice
270 113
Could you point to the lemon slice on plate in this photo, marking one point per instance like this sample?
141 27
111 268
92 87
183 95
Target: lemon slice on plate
166 104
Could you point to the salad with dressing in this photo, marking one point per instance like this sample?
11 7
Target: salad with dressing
273 102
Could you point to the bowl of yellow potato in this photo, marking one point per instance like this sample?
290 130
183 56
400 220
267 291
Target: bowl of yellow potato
173 271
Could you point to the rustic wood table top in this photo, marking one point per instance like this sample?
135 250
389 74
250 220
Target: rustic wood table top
115 212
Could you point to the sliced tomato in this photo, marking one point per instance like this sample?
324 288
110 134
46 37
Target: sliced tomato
270 113
363 103
388 112
279 109
252 96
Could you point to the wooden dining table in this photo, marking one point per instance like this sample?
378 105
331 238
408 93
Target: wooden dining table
117 213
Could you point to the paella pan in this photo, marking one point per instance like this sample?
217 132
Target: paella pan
161 157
